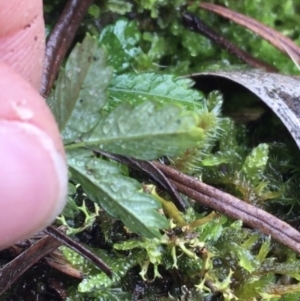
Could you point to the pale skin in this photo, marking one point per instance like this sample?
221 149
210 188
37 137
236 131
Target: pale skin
33 173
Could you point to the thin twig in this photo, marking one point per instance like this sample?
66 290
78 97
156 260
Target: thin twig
152 171
234 207
57 261
194 23
219 200
10 272
79 248
278 40
61 39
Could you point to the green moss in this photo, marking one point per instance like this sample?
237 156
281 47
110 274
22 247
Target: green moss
240 152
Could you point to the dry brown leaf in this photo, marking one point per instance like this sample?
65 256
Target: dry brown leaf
281 93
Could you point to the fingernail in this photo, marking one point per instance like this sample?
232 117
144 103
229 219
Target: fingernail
33 181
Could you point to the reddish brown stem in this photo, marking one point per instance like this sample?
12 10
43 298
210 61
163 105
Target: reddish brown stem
234 207
150 169
79 248
195 24
274 37
57 261
10 272
61 39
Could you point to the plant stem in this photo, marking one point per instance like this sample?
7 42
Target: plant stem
77 247
61 39
195 24
234 207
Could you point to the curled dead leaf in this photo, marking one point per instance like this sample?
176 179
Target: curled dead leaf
281 93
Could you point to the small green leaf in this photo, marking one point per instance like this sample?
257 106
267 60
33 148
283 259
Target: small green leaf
152 247
153 6
71 207
154 252
119 195
71 188
214 160
94 11
256 162
95 279
161 88
158 47
146 132
119 6
80 90
120 42
251 289
264 250
246 259
213 230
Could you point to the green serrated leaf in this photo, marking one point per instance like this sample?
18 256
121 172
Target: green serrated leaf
119 195
246 259
80 90
256 162
161 88
213 230
264 250
158 47
251 289
120 41
146 132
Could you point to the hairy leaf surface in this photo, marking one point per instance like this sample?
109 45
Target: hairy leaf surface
120 41
146 132
96 280
161 88
120 196
81 90
256 162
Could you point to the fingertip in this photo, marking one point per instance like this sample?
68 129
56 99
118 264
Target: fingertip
21 102
23 51
22 38
33 181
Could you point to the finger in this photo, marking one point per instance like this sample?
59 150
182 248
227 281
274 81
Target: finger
22 38
33 174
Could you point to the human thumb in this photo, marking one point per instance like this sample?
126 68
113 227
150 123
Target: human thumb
33 173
